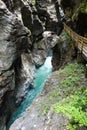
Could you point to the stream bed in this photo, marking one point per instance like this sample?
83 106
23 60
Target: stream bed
41 74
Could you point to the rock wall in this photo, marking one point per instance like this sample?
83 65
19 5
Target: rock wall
63 52
47 14
15 77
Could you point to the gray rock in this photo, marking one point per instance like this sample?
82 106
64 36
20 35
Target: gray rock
47 13
41 48
39 57
62 52
31 20
15 63
26 77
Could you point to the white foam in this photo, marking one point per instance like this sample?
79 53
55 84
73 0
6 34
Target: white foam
47 63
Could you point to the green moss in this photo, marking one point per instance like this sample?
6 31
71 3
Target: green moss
54 94
70 81
69 40
45 108
81 8
33 1
41 44
73 107
72 72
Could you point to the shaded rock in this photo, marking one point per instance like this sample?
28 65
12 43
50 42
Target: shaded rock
31 20
15 44
9 4
7 57
50 14
7 49
47 13
37 26
24 80
27 17
41 9
7 82
62 52
39 57
52 21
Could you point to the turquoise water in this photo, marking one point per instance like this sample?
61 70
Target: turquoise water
41 74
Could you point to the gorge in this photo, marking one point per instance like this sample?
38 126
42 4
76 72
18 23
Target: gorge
41 74
33 45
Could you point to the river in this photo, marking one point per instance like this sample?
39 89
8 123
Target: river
41 74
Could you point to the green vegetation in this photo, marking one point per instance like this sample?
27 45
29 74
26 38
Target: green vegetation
45 109
75 100
69 40
52 98
81 8
69 96
33 2
73 107
72 75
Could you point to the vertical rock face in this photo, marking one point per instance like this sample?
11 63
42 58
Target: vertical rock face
7 49
44 15
47 13
14 54
62 52
31 19
9 4
24 77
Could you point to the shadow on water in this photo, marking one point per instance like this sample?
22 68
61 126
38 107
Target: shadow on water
41 74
